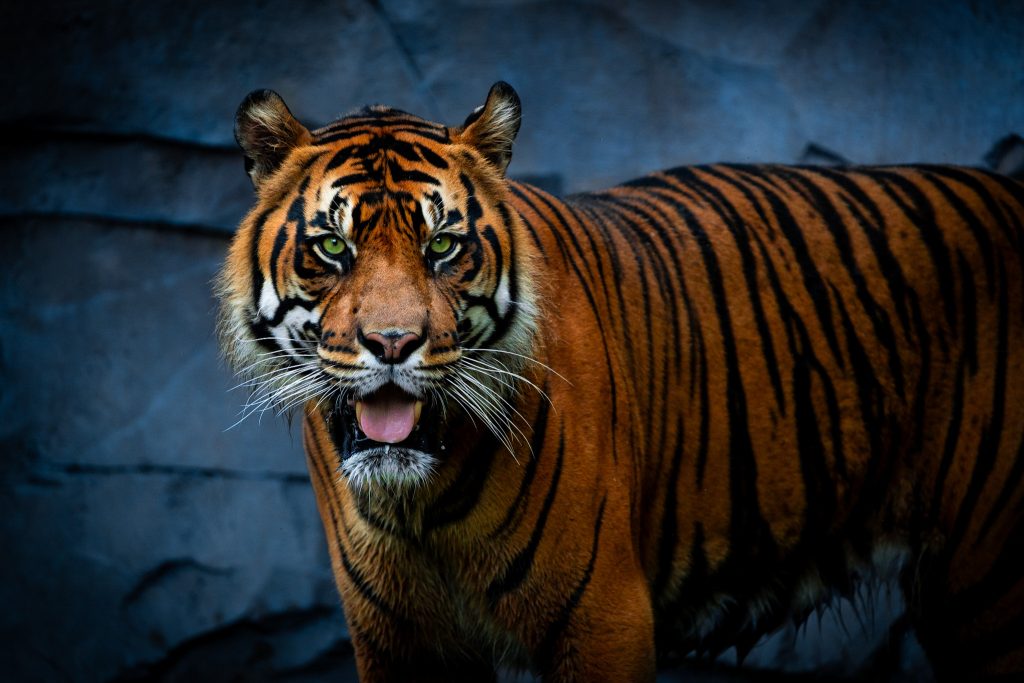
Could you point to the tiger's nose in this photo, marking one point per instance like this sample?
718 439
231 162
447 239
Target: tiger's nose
391 346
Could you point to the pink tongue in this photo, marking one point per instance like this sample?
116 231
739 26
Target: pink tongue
388 416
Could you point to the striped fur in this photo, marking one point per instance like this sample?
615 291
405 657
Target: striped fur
745 389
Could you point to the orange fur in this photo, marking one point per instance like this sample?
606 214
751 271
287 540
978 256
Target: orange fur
744 386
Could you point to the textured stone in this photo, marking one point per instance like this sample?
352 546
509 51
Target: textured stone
116 326
180 69
123 178
912 81
133 521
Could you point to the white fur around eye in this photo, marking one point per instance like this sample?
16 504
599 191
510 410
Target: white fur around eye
432 212
344 220
341 216
269 301
502 297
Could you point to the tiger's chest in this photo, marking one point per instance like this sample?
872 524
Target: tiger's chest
447 587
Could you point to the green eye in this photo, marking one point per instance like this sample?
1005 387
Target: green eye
333 245
441 244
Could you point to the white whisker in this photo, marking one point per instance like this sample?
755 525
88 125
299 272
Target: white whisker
519 355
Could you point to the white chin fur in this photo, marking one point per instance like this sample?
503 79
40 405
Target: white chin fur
391 467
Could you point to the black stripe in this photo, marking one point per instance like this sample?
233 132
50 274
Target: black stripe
741 185
297 215
697 353
280 240
340 157
919 403
433 134
359 581
515 188
814 284
500 323
817 480
352 179
544 654
516 571
1010 486
254 256
1007 221
952 440
977 230
504 323
430 157
517 508
625 336
992 433
1015 189
704 437
880 322
658 222
875 230
922 216
341 365
388 116
611 211
400 175
582 256
461 496
694 590
970 306
668 539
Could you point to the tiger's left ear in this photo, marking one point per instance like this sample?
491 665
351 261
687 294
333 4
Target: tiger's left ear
492 127
266 131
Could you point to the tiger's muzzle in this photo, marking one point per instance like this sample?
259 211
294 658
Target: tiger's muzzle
388 437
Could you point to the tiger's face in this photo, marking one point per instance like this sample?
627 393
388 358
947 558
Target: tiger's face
380 279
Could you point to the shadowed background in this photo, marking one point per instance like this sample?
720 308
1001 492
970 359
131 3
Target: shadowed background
142 538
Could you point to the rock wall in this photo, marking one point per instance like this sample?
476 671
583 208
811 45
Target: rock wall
144 535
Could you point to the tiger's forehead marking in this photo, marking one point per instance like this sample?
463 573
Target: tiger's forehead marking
394 180
378 119
336 205
440 209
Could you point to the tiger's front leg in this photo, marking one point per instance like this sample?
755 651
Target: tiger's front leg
403 624
603 630
592 619
609 636
403 662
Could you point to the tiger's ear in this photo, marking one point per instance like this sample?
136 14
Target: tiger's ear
266 131
492 127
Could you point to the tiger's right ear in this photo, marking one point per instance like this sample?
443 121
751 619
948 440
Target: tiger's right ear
266 131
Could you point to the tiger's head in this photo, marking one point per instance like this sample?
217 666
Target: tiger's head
381 279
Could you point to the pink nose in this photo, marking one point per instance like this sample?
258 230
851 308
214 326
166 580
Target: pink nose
391 347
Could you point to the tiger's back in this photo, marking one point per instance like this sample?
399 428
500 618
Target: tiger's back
583 435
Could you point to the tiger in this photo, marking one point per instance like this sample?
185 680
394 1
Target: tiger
588 436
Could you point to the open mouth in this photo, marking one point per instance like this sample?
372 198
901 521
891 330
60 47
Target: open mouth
389 415
386 437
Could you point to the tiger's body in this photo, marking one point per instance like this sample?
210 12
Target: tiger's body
746 387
